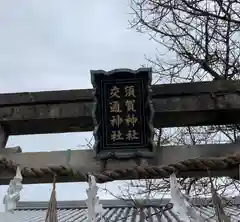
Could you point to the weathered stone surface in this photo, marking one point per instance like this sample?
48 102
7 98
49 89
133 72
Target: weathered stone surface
71 110
84 161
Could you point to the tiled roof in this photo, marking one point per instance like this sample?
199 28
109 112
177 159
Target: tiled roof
117 210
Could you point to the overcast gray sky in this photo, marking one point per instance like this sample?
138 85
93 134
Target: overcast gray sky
52 45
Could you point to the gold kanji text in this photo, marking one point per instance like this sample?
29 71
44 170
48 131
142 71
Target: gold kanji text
116 135
132 135
114 92
130 105
115 107
131 120
116 120
129 91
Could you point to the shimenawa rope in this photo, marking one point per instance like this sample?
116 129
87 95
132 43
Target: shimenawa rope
143 172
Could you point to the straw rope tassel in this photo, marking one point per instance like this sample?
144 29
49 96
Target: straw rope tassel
52 206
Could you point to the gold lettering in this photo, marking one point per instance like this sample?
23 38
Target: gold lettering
116 135
114 92
132 135
130 105
130 91
115 107
131 119
116 120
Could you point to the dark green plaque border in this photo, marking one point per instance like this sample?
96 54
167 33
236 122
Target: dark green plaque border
98 78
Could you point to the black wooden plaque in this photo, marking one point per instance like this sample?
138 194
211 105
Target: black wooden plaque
123 113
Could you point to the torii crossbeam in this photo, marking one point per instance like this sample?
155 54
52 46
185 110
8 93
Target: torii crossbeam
188 104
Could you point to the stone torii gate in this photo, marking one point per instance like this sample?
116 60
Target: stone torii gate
186 104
